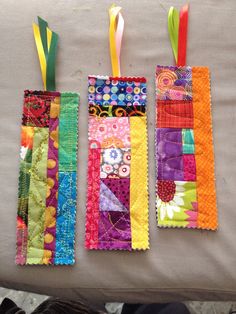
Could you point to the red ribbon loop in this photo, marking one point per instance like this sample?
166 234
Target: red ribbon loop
183 32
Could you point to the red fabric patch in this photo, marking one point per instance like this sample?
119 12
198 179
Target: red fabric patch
36 109
166 190
174 114
189 168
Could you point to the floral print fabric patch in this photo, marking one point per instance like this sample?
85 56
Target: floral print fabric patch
47 179
185 187
117 197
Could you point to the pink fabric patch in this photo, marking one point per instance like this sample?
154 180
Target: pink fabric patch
192 220
189 168
92 214
21 242
109 132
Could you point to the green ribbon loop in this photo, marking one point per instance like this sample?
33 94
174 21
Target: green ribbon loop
173 28
50 54
43 33
51 64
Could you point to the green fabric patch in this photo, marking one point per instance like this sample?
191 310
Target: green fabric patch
67 132
190 195
37 196
23 188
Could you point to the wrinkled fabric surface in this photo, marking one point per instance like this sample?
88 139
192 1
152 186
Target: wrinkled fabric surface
180 264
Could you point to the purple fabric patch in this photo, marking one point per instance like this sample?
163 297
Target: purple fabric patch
174 83
120 188
52 173
169 154
108 201
114 230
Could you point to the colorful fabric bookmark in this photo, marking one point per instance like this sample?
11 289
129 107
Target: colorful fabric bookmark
117 195
185 187
48 166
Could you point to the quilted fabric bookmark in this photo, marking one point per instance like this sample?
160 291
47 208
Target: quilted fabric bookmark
117 195
185 187
48 166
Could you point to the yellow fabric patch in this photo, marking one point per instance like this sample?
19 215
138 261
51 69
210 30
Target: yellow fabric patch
48 238
51 163
139 183
55 108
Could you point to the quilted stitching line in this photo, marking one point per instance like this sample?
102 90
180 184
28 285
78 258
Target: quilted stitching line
118 230
35 176
144 222
60 256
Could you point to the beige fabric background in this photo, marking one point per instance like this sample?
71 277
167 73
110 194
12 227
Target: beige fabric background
181 264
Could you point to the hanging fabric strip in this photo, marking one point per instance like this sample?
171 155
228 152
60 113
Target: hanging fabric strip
183 32
117 191
46 43
47 180
48 166
173 28
115 35
185 179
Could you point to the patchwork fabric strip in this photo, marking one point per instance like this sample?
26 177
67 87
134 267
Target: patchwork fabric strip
47 179
117 194
185 186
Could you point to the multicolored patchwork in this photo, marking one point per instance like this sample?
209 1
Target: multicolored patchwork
117 197
185 187
47 179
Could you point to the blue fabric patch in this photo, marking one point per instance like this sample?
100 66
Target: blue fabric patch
105 92
66 215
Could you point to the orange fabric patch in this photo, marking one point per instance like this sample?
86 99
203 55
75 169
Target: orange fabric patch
174 114
204 156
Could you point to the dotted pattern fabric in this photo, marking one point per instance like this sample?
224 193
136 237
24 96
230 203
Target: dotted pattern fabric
185 188
47 179
117 198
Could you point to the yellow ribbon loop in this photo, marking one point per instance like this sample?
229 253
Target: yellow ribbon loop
42 58
115 36
49 38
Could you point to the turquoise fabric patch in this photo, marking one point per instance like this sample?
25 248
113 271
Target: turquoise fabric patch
188 141
66 214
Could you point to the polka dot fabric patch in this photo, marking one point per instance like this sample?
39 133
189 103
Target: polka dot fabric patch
47 179
117 197
185 185
117 92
